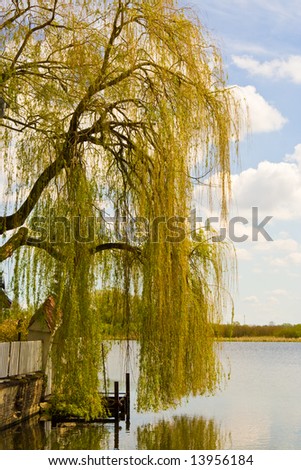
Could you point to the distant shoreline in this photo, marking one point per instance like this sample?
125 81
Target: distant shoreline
245 339
257 339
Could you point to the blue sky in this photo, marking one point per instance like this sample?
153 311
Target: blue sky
260 41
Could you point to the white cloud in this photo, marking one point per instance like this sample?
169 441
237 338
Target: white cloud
287 245
295 157
277 254
246 47
257 114
278 292
295 258
289 68
289 260
252 299
275 188
272 300
243 254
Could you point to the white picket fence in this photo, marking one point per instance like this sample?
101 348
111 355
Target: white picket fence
20 357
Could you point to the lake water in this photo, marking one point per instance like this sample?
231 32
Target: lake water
259 408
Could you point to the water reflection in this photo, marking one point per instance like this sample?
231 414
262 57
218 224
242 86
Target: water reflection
29 435
259 409
79 437
182 433
36 435
178 433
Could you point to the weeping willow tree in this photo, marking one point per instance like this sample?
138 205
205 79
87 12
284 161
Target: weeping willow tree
115 107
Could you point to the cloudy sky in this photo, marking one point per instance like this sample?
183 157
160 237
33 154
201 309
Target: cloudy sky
260 42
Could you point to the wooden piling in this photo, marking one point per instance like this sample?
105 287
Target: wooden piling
116 400
128 402
116 434
104 369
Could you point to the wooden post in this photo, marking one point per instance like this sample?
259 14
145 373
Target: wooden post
116 413
104 369
128 401
116 434
116 400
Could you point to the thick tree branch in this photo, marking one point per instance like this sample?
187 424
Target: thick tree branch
21 239
117 246
17 219
17 240
46 246
52 251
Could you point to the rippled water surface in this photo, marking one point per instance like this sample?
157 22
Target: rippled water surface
259 408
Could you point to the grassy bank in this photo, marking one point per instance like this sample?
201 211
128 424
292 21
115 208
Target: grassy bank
237 332
258 339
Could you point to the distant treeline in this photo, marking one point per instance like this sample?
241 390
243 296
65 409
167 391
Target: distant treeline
236 330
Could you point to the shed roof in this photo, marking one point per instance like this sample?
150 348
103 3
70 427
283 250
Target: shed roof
47 316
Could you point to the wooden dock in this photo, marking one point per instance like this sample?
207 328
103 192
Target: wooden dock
117 405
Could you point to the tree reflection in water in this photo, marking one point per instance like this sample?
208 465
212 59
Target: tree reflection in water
179 433
36 435
79 437
28 435
182 433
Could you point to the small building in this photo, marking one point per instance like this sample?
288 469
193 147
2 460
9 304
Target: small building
42 326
